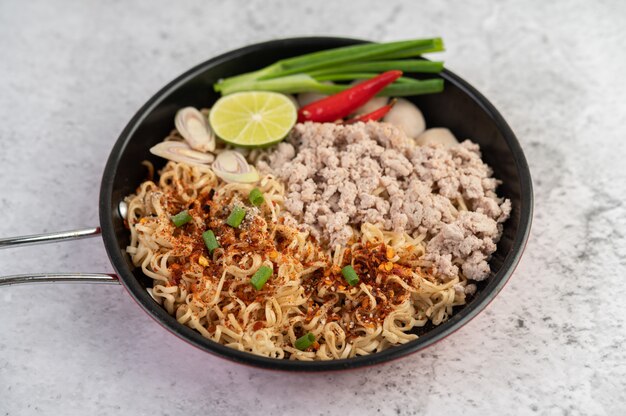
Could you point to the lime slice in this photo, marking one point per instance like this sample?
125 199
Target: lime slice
253 119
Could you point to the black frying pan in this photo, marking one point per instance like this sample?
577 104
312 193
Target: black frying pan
460 108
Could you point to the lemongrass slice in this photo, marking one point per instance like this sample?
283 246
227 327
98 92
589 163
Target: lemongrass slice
181 152
232 167
195 129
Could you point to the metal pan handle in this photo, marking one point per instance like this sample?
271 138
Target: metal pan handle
54 277
30 240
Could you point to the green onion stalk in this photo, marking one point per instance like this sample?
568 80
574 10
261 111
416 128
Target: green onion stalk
305 83
299 73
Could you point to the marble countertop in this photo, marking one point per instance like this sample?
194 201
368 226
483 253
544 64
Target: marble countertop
552 343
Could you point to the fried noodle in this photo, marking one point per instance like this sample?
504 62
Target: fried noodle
212 294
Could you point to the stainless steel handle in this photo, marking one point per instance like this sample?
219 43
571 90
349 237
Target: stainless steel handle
59 277
29 240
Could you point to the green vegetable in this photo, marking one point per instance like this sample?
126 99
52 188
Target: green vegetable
427 86
305 341
259 278
210 241
287 84
354 53
407 66
235 217
256 197
305 83
331 58
361 76
348 76
350 275
181 218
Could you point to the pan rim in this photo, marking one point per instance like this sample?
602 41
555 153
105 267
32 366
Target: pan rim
142 297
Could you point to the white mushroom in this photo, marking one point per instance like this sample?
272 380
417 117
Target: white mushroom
195 129
306 98
232 167
438 135
181 152
407 117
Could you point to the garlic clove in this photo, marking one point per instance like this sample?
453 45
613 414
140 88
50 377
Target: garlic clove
439 135
195 129
181 152
372 105
407 117
231 166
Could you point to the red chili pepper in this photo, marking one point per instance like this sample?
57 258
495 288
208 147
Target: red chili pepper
342 104
374 115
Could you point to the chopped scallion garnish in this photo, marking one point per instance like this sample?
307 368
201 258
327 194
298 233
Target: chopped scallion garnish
259 278
350 275
304 341
236 217
256 197
181 218
210 241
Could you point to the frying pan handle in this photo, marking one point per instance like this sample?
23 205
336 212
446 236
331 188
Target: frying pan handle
59 277
54 277
29 240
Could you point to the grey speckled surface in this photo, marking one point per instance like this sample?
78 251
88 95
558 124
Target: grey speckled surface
552 343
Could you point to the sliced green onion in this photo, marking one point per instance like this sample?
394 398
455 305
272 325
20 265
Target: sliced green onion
256 197
305 341
181 218
259 278
350 275
235 217
210 241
